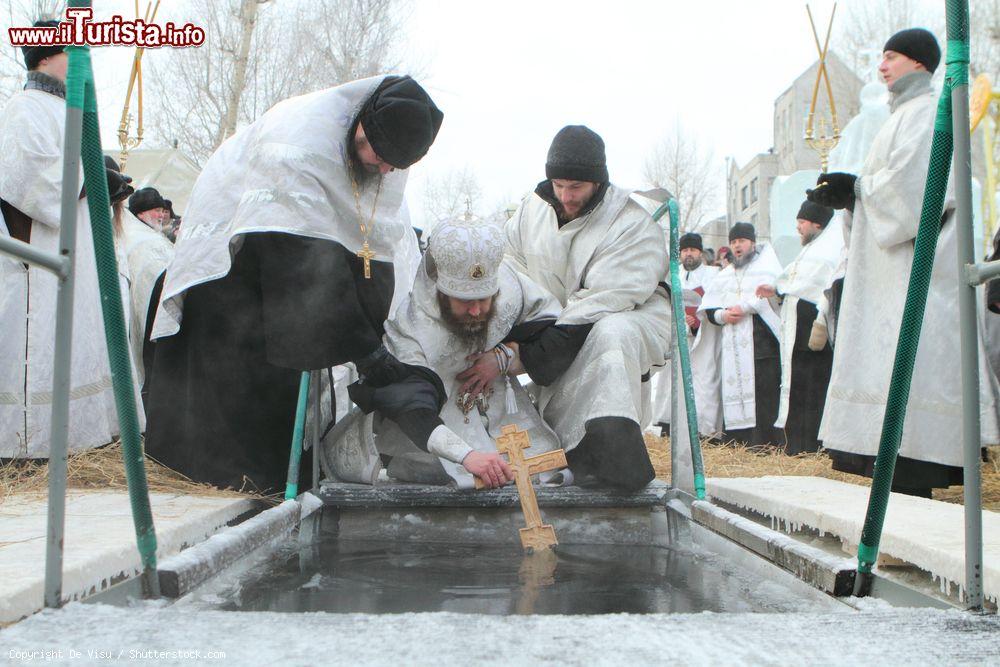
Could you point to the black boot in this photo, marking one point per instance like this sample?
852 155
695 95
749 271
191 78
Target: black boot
613 450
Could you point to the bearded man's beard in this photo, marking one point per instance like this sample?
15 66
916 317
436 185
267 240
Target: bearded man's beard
562 216
743 260
471 331
360 173
809 236
691 263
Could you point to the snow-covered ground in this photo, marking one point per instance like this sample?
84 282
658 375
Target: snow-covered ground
152 633
99 538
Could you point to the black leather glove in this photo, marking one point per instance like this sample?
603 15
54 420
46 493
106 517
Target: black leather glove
118 186
835 190
380 368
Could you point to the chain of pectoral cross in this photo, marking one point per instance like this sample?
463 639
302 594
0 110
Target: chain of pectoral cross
366 253
739 281
794 270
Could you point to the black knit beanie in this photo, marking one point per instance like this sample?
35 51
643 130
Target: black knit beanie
691 240
918 44
577 154
35 54
742 230
400 121
814 212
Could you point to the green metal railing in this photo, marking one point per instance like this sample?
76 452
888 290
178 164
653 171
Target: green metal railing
295 457
683 354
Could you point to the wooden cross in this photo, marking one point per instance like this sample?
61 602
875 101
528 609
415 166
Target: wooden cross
512 442
367 254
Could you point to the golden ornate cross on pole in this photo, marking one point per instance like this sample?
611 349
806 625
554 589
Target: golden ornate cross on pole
367 254
512 442
127 142
823 144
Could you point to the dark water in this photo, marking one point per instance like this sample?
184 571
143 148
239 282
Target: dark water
381 577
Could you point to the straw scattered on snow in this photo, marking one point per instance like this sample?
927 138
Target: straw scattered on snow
103 468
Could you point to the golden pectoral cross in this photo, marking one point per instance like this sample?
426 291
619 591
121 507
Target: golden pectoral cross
535 536
367 254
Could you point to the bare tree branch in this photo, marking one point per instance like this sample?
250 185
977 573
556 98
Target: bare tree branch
451 195
259 52
681 164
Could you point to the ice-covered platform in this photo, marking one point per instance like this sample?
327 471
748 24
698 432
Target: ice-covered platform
926 533
99 541
182 636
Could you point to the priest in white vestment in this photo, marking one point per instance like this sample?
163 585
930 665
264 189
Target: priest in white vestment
703 344
885 201
287 261
750 356
440 421
805 372
147 253
32 132
601 255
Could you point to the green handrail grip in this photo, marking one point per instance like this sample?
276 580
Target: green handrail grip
867 556
98 203
75 75
295 457
680 330
916 296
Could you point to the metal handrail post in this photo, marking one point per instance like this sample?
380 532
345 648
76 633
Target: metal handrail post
57 264
317 383
969 348
976 274
62 361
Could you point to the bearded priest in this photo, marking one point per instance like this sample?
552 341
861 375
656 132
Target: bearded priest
440 420
292 246
750 357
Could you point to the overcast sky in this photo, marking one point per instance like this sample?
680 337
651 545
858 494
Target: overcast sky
508 75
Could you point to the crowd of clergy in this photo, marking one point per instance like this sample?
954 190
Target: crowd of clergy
296 254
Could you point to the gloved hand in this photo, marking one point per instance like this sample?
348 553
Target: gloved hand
118 185
380 368
835 190
818 337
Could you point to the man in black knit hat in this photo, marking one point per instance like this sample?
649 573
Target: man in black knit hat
884 202
749 363
703 343
597 250
292 246
32 133
805 361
